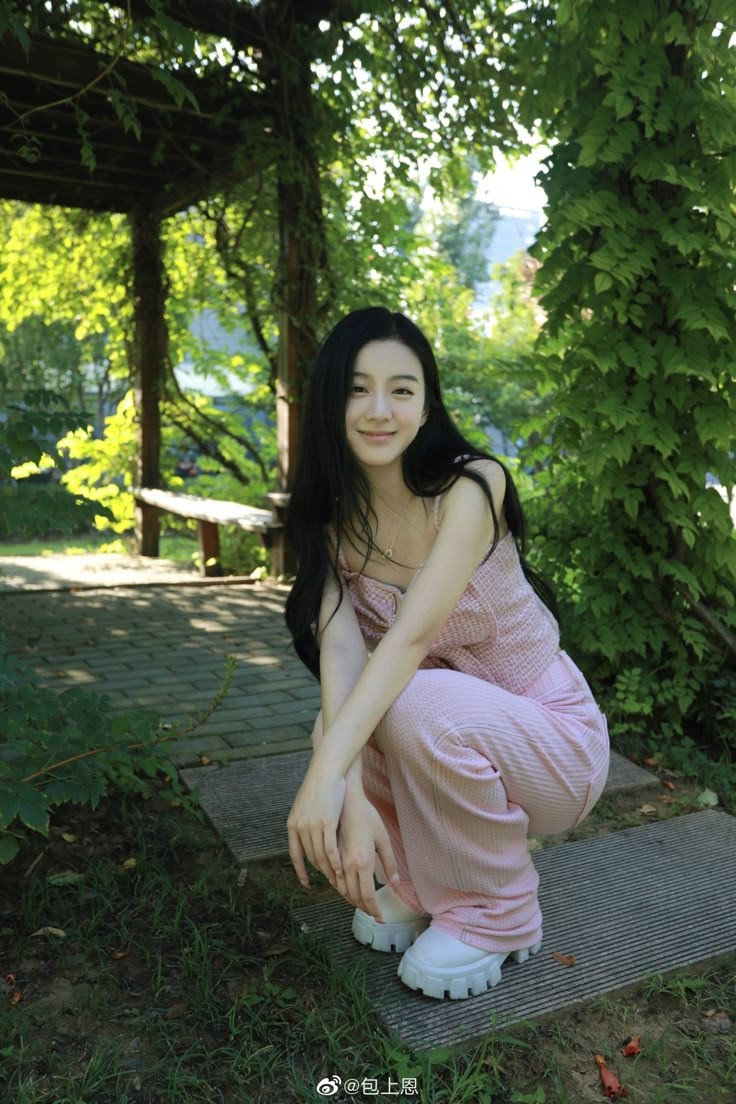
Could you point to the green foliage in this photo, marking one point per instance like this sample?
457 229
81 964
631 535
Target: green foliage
30 429
72 747
466 238
637 359
103 468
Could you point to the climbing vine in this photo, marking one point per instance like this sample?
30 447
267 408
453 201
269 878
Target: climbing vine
637 281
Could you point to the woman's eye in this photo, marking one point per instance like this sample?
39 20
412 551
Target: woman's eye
403 391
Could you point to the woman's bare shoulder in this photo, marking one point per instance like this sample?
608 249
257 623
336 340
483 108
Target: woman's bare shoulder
494 475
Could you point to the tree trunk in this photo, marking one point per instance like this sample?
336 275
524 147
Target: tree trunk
149 351
302 251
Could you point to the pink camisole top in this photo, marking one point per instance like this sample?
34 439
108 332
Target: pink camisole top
499 631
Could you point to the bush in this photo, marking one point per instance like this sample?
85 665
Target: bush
29 431
56 748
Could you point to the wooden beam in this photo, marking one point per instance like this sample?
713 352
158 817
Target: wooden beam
150 343
68 65
243 27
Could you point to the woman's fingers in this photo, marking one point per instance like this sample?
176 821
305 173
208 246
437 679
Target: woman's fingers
296 854
368 893
386 855
325 855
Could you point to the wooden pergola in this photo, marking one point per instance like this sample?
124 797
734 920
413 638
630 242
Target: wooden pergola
60 114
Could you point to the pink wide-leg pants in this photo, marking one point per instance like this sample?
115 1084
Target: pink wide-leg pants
461 771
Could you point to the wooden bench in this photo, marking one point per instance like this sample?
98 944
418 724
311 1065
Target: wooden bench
210 513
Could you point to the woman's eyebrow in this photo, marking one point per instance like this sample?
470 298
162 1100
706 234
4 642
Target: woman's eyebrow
400 376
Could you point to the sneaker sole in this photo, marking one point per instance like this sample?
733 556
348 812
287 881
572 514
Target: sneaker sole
458 983
397 937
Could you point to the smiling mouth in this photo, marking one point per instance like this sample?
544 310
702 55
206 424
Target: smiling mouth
369 433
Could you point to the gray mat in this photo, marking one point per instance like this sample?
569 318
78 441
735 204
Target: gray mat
633 903
248 802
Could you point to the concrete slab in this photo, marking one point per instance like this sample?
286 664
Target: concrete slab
249 803
627 905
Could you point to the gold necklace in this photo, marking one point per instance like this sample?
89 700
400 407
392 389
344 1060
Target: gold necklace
389 552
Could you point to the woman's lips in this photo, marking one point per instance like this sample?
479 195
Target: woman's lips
375 436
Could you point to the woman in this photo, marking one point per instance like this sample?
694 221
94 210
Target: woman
451 722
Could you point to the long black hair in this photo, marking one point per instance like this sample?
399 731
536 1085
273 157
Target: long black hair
330 486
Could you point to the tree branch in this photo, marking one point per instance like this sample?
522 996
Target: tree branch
248 445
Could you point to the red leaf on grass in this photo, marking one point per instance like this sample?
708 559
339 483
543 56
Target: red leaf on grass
650 762
612 1087
631 1046
670 785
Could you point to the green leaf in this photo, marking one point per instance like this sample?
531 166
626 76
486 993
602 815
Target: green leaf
65 878
9 847
603 281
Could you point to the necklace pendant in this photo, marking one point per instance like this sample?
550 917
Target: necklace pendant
388 553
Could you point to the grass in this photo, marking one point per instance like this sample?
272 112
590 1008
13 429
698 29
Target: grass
182 979
176 547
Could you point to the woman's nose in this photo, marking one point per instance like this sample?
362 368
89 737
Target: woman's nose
379 407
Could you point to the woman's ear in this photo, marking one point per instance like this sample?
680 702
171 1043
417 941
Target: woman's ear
425 415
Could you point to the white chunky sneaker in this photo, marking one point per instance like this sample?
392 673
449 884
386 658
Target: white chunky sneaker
400 926
439 965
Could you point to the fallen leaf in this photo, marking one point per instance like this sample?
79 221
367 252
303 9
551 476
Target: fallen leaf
670 785
666 799
204 761
650 762
136 1082
177 1009
129 864
563 959
69 837
16 997
717 1023
612 1087
708 799
117 955
10 980
648 810
631 1046
534 844
65 877
57 932
277 949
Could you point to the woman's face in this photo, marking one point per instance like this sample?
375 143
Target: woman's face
386 403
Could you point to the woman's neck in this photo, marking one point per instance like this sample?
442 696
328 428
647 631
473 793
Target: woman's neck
388 487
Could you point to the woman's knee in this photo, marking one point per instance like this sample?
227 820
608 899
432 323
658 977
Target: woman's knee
417 715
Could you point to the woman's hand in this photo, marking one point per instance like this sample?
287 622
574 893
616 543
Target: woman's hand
362 833
312 824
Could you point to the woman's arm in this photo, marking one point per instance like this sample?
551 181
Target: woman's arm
464 538
343 656
362 833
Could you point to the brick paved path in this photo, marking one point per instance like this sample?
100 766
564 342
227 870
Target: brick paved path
163 647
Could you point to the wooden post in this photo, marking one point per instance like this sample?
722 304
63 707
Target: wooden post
302 254
150 342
